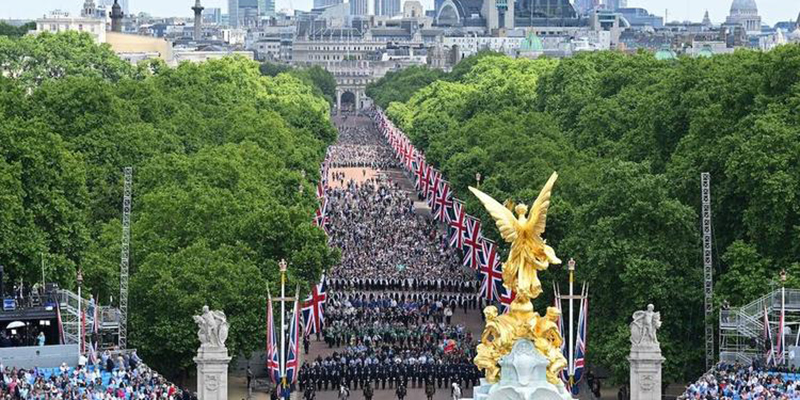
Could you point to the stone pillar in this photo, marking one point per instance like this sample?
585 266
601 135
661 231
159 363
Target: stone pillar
338 101
645 356
212 373
358 101
198 21
212 356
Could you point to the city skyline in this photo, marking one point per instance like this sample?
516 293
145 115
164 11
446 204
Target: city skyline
772 11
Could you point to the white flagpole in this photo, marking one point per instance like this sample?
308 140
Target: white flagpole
283 322
780 328
571 264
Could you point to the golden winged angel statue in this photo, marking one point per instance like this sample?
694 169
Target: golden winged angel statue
529 252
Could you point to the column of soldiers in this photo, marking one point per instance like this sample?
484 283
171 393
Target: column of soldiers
383 376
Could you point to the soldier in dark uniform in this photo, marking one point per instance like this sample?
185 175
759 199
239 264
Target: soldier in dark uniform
347 376
325 377
440 369
380 372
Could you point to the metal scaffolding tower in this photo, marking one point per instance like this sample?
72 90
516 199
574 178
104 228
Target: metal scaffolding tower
124 259
708 272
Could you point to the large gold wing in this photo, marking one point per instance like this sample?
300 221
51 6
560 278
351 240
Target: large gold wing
504 218
537 217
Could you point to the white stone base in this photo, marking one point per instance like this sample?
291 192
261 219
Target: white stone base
212 373
523 376
646 373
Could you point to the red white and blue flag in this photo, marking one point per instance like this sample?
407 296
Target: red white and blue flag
427 176
507 297
458 225
564 375
273 361
443 201
472 243
420 174
492 272
770 356
580 342
321 215
293 359
93 354
313 310
430 194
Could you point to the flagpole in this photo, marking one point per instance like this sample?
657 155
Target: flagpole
571 265
782 321
282 369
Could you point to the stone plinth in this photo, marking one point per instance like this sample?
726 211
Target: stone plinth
523 376
212 372
646 372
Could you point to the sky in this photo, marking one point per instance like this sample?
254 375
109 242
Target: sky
771 11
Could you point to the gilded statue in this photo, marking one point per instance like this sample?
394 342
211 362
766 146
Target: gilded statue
529 254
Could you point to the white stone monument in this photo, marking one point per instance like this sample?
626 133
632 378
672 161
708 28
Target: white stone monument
522 377
645 357
212 356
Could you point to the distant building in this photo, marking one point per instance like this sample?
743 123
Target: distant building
61 21
243 13
387 7
640 18
326 3
745 13
212 16
359 7
413 9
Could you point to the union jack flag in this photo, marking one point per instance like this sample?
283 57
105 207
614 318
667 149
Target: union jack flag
430 194
95 336
313 311
564 375
420 173
273 363
294 345
472 242
507 297
580 343
458 226
321 216
320 190
444 200
426 179
492 272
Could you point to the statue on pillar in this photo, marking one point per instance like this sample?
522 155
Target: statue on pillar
645 356
213 328
644 326
212 356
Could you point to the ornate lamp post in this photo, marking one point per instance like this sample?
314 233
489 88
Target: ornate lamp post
282 265
571 371
478 178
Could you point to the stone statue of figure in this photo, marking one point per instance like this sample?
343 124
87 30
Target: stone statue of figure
644 326
212 328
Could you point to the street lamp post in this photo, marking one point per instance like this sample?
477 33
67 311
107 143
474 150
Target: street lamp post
478 178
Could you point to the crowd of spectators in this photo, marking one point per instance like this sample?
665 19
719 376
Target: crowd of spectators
392 297
381 237
359 147
738 382
122 377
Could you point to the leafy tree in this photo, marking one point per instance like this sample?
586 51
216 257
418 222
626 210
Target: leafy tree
9 30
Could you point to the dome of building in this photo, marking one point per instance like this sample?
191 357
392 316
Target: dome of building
744 7
665 53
